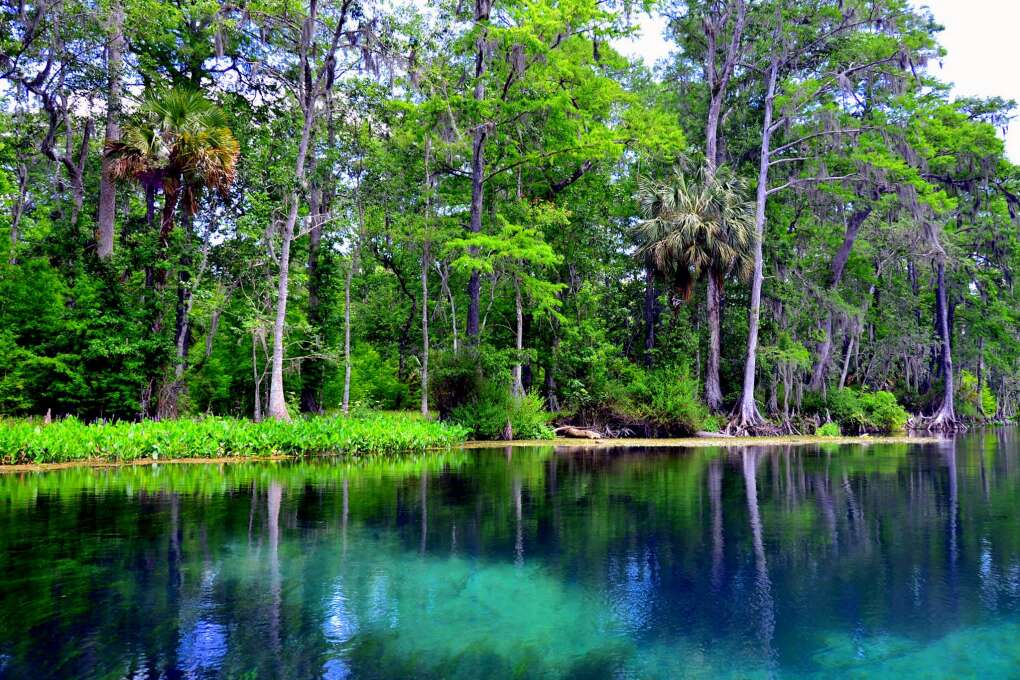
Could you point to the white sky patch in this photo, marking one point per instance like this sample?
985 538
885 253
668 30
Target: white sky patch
980 37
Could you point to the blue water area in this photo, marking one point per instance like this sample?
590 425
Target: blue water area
879 561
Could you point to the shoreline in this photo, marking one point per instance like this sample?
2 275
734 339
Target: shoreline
703 442
685 442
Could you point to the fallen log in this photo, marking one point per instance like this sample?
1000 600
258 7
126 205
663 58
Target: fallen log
572 432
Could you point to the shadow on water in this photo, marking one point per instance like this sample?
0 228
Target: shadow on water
863 561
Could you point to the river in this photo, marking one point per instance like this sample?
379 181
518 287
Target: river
885 560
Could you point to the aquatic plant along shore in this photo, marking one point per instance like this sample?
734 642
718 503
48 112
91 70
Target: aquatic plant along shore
69 440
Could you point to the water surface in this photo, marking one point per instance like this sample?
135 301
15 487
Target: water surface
792 562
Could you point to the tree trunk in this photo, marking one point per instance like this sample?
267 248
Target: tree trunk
853 226
107 188
746 415
425 256
517 389
649 314
312 372
346 405
277 398
717 78
480 133
981 377
314 85
17 211
945 417
846 361
713 388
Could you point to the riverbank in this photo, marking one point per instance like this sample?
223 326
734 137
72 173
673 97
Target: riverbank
705 442
400 436
69 441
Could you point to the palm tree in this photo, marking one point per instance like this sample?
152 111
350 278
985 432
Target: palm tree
179 143
697 224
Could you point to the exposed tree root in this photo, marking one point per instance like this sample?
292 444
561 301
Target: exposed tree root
747 421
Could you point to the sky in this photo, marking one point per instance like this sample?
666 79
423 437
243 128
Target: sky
980 37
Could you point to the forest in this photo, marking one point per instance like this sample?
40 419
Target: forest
485 212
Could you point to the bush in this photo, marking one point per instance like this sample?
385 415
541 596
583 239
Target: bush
486 417
68 440
867 411
669 398
829 429
455 379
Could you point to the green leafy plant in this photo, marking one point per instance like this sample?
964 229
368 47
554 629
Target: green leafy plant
862 411
668 398
494 409
70 440
829 429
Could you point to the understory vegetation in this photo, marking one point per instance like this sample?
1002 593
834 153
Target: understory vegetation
490 213
70 440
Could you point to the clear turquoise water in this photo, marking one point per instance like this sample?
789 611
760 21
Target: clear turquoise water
885 561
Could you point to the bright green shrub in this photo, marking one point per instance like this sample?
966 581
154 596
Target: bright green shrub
487 416
861 411
669 398
829 429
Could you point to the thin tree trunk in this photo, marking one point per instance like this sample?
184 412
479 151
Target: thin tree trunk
312 370
107 188
518 386
444 282
649 314
746 415
853 226
713 388
257 377
314 85
479 135
346 404
846 362
348 281
18 211
425 256
945 417
981 377
717 78
425 263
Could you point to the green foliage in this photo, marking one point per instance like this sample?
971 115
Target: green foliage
70 440
374 382
829 429
494 410
972 403
861 411
669 399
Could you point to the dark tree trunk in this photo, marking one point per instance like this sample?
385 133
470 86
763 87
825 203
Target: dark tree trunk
480 133
853 226
312 372
107 188
713 387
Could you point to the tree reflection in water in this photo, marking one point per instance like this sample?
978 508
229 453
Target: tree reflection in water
537 562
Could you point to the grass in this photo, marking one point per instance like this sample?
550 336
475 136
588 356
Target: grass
70 440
